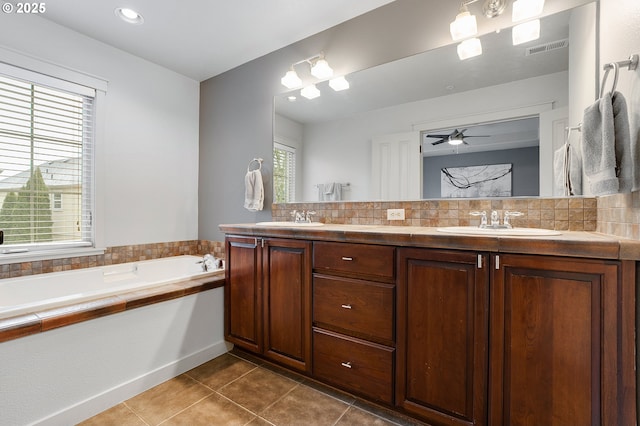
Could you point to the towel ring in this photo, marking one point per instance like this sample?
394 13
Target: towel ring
616 68
255 160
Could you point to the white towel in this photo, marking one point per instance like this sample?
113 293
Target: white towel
253 191
331 191
606 146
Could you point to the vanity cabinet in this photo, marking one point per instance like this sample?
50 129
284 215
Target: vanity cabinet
555 341
450 335
353 318
268 298
442 323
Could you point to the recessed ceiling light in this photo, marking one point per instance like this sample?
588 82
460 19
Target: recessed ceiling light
129 15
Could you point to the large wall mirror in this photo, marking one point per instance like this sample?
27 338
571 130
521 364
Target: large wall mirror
378 140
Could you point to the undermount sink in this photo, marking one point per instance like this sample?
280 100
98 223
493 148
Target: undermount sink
474 230
290 224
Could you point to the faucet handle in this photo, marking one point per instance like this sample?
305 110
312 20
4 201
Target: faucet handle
293 213
508 214
309 214
483 219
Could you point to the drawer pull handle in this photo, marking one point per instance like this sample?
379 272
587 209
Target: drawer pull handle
348 259
346 364
346 306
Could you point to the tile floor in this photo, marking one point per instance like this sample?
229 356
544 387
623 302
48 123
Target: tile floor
236 389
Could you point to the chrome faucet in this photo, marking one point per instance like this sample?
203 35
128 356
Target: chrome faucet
303 216
495 219
209 263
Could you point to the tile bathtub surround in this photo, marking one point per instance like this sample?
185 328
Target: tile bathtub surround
573 214
238 389
115 255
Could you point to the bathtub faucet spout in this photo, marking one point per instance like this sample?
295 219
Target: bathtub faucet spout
208 263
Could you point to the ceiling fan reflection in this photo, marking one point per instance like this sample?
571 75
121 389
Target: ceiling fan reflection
456 137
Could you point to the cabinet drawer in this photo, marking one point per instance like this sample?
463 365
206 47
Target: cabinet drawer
353 364
360 259
364 308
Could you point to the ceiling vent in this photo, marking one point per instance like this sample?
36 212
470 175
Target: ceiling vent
547 47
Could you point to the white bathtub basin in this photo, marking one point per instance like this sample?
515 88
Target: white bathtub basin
284 224
474 230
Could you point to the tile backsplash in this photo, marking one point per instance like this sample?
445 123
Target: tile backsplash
617 215
573 214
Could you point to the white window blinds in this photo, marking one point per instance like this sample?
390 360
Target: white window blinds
46 161
284 173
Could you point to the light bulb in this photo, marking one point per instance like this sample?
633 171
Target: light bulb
339 83
528 31
310 92
463 26
291 79
525 9
469 48
321 69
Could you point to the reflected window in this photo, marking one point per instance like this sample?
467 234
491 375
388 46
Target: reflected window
284 173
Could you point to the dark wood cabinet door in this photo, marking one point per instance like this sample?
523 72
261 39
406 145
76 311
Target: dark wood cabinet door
243 293
442 335
553 341
287 302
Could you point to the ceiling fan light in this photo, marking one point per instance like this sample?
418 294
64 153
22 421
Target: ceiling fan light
321 69
469 48
291 80
339 83
528 31
525 9
310 92
464 26
455 141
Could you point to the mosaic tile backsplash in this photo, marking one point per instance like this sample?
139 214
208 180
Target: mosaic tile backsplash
563 214
115 255
617 215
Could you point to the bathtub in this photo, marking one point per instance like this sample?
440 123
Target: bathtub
44 291
71 372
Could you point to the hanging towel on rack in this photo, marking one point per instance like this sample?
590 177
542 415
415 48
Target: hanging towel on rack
606 146
333 191
253 190
634 134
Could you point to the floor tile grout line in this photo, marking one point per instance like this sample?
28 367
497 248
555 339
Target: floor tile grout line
185 409
342 415
281 397
135 413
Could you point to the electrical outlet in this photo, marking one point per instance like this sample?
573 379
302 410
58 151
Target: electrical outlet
395 214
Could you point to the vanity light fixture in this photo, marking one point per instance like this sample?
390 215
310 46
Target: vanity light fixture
465 24
310 92
469 48
339 83
319 68
129 15
526 9
528 31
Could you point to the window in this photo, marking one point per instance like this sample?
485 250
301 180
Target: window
46 161
284 173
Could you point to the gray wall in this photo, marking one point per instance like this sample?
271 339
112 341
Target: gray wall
525 174
236 121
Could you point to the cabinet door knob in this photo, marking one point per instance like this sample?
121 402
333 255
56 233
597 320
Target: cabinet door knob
348 259
348 306
346 364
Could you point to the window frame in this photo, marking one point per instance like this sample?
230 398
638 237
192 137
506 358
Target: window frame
23 67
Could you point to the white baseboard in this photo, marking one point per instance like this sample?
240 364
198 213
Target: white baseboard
100 402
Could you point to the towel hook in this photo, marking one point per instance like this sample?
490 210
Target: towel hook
255 160
616 68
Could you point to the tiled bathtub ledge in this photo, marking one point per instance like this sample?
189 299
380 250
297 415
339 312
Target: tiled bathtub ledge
32 323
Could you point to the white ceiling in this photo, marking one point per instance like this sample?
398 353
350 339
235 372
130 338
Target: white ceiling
203 38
